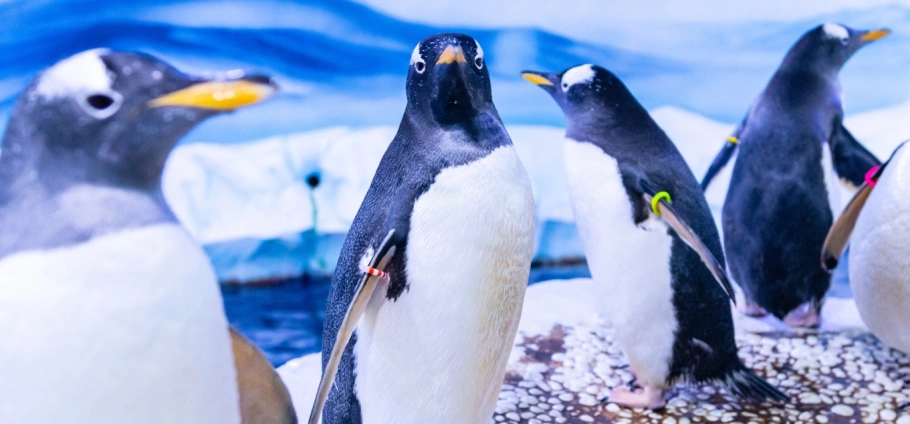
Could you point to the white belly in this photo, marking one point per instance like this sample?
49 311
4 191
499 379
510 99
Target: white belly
880 256
630 263
128 327
833 186
438 354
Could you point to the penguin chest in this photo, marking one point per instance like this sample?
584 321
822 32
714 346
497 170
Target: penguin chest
630 262
880 256
129 324
438 353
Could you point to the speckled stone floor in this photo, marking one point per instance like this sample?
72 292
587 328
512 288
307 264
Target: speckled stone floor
846 376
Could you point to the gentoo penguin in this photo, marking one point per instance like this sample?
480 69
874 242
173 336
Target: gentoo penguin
110 312
777 209
427 294
650 241
878 220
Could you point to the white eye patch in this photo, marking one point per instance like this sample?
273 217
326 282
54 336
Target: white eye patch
578 74
83 73
417 60
479 50
835 31
478 58
415 55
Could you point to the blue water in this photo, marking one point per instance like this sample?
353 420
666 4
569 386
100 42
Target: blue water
285 318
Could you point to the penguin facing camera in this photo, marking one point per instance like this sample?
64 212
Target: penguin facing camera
650 241
783 187
426 298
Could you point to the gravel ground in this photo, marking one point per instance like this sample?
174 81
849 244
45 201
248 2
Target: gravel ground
844 376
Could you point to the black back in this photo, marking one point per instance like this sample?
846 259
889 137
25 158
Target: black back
776 214
603 112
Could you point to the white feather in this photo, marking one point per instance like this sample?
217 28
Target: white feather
578 74
124 327
880 255
438 353
835 31
832 182
415 55
629 262
82 73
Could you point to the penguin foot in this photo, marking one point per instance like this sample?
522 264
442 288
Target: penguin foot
803 317
648 398
753 310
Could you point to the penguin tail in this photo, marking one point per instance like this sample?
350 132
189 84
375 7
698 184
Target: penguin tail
744 383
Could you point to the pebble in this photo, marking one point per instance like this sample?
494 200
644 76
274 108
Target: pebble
844 410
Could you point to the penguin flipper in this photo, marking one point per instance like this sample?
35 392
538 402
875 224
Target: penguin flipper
362 295
720 161
724 156
839 234
851 161
264 399
661 206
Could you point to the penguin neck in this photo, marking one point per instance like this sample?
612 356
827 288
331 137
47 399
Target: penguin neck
35 162
612 125
809 66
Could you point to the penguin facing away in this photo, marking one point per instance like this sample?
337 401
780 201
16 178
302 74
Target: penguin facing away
876 225
109 310
426 298
778 206
650 241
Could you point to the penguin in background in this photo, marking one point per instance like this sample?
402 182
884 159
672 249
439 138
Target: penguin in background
109 310
650 241
426 298
875 223
778 206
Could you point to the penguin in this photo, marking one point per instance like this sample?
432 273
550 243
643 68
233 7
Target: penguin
425 301
650 241
109 310
782 190
875 225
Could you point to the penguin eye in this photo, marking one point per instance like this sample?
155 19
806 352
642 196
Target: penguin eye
565 86
478 62
420 66
101 105
99 101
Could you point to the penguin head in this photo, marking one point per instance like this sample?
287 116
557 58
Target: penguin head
827 47
448 80
584 92
113 115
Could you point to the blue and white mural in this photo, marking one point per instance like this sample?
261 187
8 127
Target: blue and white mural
239 182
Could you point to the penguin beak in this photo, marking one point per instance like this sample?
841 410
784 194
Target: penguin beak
875 34
451 54
220 95
548 82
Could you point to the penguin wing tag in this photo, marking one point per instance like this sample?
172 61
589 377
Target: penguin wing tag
362 295
660 204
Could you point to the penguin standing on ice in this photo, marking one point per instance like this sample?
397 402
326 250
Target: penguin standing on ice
650 241
876 223
778 206
109 311
427 295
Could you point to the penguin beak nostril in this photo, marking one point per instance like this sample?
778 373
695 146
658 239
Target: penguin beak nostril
536 78
875 34
451 54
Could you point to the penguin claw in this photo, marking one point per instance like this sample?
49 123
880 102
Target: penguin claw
648 398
